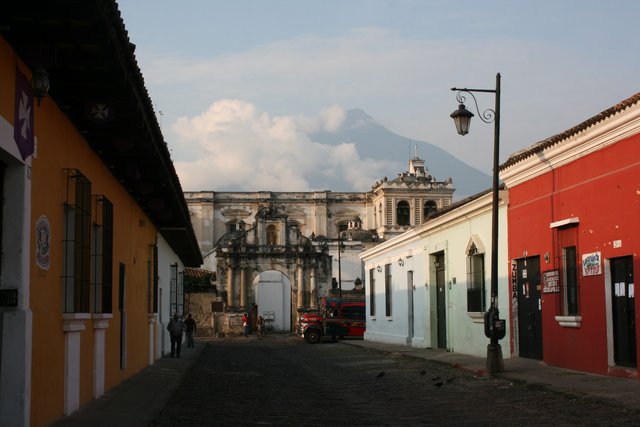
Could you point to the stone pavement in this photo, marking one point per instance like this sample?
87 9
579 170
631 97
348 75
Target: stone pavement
621 392
138 401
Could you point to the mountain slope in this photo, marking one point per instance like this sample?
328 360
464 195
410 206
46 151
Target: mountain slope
373 140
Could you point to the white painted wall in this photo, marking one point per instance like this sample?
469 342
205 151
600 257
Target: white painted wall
166 258
15 322
395 328
450 233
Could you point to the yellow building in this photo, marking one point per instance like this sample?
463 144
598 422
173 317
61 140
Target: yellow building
93 212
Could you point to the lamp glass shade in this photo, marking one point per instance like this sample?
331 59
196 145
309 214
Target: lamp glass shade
462 119
40 84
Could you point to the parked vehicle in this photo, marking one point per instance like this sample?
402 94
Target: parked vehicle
336 318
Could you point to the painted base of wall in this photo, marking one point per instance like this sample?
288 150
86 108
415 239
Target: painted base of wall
415 342
15 387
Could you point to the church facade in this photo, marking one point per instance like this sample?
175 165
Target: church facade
277 253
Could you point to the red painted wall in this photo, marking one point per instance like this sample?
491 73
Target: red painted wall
602 189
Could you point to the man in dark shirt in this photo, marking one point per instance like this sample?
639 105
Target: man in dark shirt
191 329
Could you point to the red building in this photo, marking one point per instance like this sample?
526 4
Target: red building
574 244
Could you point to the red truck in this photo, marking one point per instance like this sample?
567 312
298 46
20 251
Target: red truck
336 318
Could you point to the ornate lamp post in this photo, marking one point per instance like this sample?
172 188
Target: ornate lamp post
494 327
341 247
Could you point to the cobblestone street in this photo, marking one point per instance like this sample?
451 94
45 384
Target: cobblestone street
281 380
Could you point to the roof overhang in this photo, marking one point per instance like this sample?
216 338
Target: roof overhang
96 82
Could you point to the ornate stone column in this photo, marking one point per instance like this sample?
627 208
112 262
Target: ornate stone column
313 289
243 286
229 284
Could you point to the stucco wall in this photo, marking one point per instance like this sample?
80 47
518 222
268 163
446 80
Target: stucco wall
448 234
60 146
166 259
600 190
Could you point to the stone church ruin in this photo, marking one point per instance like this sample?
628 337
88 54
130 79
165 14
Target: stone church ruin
276 254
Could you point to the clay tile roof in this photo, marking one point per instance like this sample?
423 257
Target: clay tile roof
197 273
542 145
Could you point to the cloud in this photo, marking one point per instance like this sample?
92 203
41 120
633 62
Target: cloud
233 146
403 82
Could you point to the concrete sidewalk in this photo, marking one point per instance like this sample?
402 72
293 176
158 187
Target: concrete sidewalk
137 401
621 392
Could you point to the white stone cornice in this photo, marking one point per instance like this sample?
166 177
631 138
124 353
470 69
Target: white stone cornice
471 209
101 320
479 206
75 322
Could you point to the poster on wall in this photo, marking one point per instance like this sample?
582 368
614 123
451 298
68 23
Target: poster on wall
591 264
551 282
43 242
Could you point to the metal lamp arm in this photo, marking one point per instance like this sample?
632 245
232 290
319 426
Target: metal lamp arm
488 115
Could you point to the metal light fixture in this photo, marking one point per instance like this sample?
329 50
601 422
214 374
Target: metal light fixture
40 84
341 247
462 119
494 326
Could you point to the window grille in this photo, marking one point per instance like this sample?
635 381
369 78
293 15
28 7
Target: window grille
567 244
76 244
102 266
475 281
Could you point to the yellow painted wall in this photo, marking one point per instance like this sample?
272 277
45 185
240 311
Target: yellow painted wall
61 146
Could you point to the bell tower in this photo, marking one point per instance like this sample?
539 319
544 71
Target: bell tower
408 200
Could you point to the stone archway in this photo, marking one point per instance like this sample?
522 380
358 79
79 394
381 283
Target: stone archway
273 245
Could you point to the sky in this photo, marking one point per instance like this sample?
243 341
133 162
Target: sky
238 86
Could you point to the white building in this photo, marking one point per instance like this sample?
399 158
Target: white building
170 294
429 287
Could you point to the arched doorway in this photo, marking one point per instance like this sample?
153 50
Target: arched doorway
272 290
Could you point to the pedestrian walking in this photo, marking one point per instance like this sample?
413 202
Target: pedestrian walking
262 330
191 328
176 328
245 325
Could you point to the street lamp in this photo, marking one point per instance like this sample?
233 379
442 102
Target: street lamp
494 326
340 250
40 84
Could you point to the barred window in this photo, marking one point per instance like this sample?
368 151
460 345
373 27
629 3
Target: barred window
567 248
176 291
570 275
152 280
76 244
475 282
102 266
